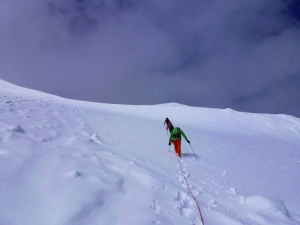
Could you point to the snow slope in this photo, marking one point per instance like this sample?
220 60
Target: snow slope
66 162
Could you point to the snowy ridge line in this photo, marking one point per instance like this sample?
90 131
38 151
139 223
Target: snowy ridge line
182 174
268 131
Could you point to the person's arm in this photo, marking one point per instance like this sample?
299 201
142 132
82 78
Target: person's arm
183 134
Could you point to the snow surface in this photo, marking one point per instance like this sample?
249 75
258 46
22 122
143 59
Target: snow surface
66 162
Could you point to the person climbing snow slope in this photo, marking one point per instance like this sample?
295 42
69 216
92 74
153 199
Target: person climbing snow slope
175 138
169 124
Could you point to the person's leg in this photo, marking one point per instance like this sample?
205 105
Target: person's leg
177 146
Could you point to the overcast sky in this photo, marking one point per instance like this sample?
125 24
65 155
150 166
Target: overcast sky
237 54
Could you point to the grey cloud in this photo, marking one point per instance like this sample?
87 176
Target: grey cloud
203 53
85 15
283 94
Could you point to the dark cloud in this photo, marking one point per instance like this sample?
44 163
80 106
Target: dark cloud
279 95
215 53
293 9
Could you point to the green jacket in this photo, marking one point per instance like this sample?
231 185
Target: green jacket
176 134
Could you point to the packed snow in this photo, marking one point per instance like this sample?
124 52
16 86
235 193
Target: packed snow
68 162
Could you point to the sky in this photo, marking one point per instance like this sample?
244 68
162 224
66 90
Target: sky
234 54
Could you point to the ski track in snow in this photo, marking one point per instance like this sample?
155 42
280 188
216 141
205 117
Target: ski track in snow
68 162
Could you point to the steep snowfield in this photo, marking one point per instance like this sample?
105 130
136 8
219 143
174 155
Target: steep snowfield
66 162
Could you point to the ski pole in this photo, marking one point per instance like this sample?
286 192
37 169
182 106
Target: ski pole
193 151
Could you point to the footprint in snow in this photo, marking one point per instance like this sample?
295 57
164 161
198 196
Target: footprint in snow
17 129
95 138
155 207
212 203
225 173
233 190
184 203
74 174
181 179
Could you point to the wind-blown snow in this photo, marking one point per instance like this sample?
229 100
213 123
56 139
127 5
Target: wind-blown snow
66 162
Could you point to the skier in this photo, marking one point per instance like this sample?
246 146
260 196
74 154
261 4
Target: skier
175 138
169 124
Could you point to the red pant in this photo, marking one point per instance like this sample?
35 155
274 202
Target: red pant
177 146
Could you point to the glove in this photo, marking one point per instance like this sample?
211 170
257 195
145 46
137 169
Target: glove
169 143
188 141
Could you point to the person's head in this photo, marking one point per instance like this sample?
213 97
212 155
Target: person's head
166 120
